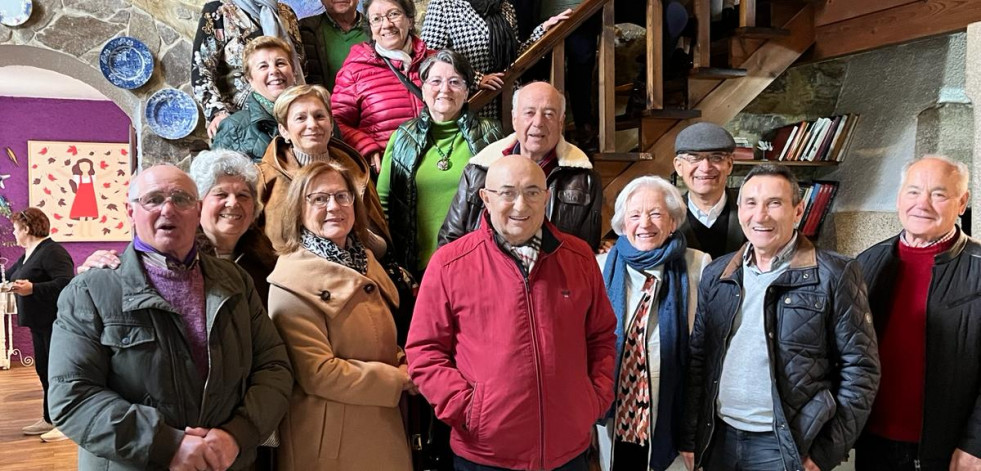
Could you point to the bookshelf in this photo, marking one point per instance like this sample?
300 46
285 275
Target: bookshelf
791 163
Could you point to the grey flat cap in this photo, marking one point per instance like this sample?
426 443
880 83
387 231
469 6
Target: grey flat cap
703 137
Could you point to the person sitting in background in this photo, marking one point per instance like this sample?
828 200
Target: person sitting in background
703 159
486 33
377 88
172 354
425 158
576 193
331 301
328 38
226 26
37 278
305 125
652 280
268 67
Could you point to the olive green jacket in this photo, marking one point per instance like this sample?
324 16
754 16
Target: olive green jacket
248 130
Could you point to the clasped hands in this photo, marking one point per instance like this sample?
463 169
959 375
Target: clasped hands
204 449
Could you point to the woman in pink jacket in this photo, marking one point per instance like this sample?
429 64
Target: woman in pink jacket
377 88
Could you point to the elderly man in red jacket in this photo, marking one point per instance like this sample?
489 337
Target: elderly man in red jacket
512 339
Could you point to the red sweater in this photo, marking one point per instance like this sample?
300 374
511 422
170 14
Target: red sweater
898 410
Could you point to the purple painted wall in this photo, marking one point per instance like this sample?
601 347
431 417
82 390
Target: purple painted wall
44 119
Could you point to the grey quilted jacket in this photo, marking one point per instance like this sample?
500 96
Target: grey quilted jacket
822 348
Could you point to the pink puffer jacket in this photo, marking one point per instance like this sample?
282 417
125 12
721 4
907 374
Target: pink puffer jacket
369 102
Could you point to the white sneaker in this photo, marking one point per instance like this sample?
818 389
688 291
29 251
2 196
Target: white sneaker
54 435
37 428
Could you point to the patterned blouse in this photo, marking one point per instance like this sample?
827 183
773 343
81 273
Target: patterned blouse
216 66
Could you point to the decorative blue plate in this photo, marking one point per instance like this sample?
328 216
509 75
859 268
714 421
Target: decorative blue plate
171 113
15 12
126 62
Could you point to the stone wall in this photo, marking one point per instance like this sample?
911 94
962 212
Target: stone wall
67 35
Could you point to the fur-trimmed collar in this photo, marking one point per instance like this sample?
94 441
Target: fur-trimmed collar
568 154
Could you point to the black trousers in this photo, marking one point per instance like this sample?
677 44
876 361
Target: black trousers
41 338
874 453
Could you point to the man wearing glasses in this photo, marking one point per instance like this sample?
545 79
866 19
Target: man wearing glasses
169 361
512 339
703 159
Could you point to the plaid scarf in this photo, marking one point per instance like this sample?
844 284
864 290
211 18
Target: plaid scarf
526 253
354 257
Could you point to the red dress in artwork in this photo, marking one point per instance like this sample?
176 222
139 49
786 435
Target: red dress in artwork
84 205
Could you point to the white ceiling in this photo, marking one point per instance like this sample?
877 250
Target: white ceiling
26 81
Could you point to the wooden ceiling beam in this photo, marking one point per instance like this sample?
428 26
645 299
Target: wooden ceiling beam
895 25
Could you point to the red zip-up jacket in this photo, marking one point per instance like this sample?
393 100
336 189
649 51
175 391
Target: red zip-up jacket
519 368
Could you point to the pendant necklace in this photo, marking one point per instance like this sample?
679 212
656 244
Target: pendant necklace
444 163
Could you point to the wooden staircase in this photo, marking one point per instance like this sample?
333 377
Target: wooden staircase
750 60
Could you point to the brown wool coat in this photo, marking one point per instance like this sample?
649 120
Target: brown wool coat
277 168
340 336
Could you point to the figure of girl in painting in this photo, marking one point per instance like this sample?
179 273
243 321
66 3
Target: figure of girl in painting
83 185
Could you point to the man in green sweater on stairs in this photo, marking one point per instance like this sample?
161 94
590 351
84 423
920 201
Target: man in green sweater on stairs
328 37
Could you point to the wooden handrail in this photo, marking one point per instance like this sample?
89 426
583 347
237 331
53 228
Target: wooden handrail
543 46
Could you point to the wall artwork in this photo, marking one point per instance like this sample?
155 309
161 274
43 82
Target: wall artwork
82 187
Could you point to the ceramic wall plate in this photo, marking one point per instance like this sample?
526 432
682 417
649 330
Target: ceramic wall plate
171 113
15 12
126 62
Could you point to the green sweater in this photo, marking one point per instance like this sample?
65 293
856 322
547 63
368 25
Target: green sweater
339 46
435 188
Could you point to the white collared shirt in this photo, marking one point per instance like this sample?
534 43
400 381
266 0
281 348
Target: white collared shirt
708 218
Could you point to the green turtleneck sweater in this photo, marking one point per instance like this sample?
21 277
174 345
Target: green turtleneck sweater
435 188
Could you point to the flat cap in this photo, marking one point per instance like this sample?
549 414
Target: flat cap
703 137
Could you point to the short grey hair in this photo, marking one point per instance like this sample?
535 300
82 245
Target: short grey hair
672 198
133 192
960 168
210 165
514 97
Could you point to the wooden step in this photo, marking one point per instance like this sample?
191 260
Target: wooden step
759 32
623 156
716 73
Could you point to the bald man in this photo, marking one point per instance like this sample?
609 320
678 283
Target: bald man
575 199
923 294
512 339
170 354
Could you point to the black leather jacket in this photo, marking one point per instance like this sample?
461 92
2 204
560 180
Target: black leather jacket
952 387
575 205
822 348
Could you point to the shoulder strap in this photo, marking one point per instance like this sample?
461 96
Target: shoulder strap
405 80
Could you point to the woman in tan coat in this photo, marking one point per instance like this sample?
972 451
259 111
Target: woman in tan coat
331 301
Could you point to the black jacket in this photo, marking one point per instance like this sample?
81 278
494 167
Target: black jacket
410 141
822 349
734 233
952 387
50 268
575 205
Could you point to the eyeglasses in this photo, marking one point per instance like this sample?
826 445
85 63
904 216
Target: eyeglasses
454 83
510 195
714 158
394 16
155 200
320 200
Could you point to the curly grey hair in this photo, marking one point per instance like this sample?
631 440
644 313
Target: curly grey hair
672 198
210 165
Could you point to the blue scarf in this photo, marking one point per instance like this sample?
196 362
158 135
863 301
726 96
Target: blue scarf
672 321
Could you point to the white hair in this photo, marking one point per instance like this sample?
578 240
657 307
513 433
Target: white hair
672 198
517 91
210 165
960 168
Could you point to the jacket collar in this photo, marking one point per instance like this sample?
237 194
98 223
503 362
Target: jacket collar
279 157
960 243
365 53
256 112
804 257
550 242
568 154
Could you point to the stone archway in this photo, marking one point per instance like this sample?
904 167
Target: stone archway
68 40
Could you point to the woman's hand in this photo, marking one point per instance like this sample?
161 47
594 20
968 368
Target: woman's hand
551 22
606 245
100 259
492 81
407 384
375 160
213 125
22 287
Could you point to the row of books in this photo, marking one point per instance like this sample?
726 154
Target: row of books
812 141
817 203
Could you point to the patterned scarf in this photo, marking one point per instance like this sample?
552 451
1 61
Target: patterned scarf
266 12
526 253
503 46
672 321
354 257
